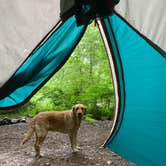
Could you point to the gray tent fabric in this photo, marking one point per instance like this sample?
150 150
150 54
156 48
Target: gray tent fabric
24 23
147 17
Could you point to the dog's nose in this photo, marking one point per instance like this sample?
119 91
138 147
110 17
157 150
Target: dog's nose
79 114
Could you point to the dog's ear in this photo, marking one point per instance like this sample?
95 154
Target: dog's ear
74 108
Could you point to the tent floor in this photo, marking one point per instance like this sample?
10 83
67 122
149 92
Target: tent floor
56 148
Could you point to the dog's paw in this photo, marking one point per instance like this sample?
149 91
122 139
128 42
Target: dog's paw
75 150
38 156
78 147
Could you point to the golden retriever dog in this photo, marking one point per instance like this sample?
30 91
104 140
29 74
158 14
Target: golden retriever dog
62 121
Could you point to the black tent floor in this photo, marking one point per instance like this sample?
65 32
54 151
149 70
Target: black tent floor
56 148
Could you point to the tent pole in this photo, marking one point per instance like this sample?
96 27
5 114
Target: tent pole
108 48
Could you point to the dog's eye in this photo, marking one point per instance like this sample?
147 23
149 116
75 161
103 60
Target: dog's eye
77 108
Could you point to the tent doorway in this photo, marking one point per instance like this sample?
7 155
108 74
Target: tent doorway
85 78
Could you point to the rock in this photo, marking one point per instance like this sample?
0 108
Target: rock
47 164
7 121
14 121
23 120
109 162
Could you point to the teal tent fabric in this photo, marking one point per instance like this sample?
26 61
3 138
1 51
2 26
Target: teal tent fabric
140 134
41 65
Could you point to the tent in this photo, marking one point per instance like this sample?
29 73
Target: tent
38 36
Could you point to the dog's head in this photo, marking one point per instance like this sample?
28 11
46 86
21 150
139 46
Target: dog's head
79 110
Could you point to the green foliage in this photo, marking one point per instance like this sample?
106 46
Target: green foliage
25 111
85 78
89 118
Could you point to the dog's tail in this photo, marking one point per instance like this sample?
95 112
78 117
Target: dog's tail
29 133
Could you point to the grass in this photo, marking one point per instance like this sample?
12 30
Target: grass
89 118
14 114
28 113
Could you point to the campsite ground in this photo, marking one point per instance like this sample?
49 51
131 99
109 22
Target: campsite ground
56 148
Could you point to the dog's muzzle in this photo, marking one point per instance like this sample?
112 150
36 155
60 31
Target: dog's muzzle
80 115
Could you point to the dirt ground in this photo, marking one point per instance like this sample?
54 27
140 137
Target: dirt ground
56 148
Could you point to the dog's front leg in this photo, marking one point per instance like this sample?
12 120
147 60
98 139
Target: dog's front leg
73 141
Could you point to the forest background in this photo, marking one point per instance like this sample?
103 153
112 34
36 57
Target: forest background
85 78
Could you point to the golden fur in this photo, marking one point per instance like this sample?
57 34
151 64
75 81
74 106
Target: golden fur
62 121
